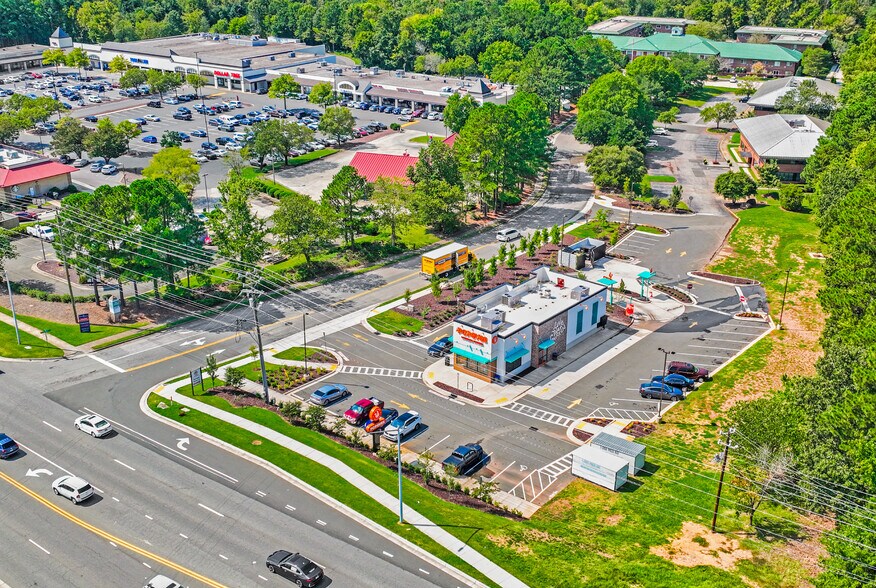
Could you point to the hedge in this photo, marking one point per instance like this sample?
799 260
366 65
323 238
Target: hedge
47 296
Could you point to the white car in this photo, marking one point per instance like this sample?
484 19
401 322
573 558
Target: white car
152 118
41 232
95 99
74 488
162 582
221 152
432 116
233 147
171 100
652 143
201 159
94 425
660 131
402 425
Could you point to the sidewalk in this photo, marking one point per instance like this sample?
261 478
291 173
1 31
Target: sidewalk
389 501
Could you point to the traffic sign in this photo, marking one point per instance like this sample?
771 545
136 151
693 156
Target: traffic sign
741 298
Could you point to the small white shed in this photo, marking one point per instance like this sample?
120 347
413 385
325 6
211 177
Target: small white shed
597 466
633 452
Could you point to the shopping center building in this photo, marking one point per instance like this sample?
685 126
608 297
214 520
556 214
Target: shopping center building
510 329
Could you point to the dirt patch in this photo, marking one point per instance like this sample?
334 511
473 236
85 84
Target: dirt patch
612 520
541 536
698 546
506 542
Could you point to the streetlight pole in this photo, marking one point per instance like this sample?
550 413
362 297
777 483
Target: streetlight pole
666 354
401 505
201 92
255 311
206 193
304 322
12 306
784 293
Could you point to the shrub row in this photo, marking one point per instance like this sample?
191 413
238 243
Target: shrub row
47 296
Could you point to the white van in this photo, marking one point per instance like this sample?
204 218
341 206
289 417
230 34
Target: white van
507 235
229 119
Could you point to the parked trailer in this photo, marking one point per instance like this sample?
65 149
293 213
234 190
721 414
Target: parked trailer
595 465
446 259
633 453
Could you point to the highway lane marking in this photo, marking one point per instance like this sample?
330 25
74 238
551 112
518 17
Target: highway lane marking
46 551
424 571
388 554
146 541
106 363
29 450
52 426
171 449
123 464
353 537
319 522
222 556
438 443
148 517
493 479
147 565
289 507
215 512
115 541
183 536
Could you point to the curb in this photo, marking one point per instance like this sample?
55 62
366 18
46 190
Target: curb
319 495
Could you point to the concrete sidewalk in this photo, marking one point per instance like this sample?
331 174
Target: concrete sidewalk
389 501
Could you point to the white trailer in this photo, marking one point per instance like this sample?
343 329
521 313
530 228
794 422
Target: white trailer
634 453
597 466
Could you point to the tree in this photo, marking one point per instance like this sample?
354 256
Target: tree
428 63
268 140
769 174
735 186
10 128
158 81
806 99
70 135
96 19
302 226
196 82
283 87
459 66
693 70
211 367
600 127
720 112
237 232
668 117
621 96
234 377
343 195
132 78
758 68
747 88
437 162
338 123
77 58
391 198
176 165
709 30
314 417
610 166
791 197
657 79
816 62
500 60
675 197
322 94
54 57
118 64
760 479
109 140
294 136
438 204
457 111
552 70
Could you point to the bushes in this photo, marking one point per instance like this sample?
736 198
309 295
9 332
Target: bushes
234 377
273 189
47 296
791 197
394 126
509 199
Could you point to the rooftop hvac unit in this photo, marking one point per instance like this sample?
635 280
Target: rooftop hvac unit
272 58
322 64
337 71
579 293
399 73
545 293
426 78
357 68
245 62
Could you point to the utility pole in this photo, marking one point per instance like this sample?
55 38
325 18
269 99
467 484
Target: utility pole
784 293
727 447
67 269
253 302
304 322
206 193
663 383
12 306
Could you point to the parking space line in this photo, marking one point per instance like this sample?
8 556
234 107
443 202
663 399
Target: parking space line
713 347
439 442
725 340
702 355
493 479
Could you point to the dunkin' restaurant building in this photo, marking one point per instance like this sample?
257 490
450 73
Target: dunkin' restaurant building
510 329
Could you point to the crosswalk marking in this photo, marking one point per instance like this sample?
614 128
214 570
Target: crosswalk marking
376 371
541 415
624 414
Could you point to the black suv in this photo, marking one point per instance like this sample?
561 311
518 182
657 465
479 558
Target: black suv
154 104
294 566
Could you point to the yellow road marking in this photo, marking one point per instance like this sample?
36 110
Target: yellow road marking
416 397
413 122
682 254
669 250
574 403
402 406
345 343
109 537
503 399
358 336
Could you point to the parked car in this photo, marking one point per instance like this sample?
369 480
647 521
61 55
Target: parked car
94 425
664 391
96 166
171 100
90 118
387 415
295 567
8 447
185 138
154 104
201 158
209 145
72 487
465 459
81 162
688 369
160 581
150 139
95 99
660 131
403 425
508 235
358 413
440 347
109 169
405 118
26 216
652 143
182 116
41 232
199 133
677 380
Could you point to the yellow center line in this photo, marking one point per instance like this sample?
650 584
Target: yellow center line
110 537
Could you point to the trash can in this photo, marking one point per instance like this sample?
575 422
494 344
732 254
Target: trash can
554 356
448 360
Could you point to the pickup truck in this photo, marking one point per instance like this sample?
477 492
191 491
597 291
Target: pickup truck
464 459
358 413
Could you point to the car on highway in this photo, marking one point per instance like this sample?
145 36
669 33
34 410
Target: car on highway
660 131
90 118
688 369
677 380
8 447
441 347
464 459
387 415
41 232
295 567
109 169
403 425
94 425
665 391
72 487
150 139
160 581
358 413
152 118
328 394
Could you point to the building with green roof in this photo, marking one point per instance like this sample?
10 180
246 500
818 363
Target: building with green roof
732 57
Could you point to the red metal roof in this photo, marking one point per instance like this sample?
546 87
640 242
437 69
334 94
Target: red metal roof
375 165
40 170
451 139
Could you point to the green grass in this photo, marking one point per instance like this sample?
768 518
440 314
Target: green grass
701 95
652 230
318 475
312 156
413 236
735 139
9 346
297 353
424 139
661 178
70 333
390 321
769 241
593 229
250 173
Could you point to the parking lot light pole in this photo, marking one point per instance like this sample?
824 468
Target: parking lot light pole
304 322
206 193
12 306
401 505
666 354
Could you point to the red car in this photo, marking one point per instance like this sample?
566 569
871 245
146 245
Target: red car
358 413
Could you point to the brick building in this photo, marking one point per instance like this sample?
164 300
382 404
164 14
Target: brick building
786 139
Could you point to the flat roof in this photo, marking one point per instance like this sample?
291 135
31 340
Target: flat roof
751 29
782 136
622 24
533 302
18 52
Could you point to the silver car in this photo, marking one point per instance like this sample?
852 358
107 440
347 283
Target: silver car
328 394
76 489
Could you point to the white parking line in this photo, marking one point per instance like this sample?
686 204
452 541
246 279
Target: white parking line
46 551
222 556
320 522
493 479
52 426
436 444
260 493
148 517
713 347
353 537
263 578
183 536
147 565
388 554
424 571
289 507
701 355
215 512
728 340
124 465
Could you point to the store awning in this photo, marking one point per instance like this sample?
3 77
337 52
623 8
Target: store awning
470 355
516 354
547 344
606 282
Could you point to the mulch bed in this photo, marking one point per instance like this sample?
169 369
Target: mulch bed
675 293
582 435
736 281
598 422
639 429
456 391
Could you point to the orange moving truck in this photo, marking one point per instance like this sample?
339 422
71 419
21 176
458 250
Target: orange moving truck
446 259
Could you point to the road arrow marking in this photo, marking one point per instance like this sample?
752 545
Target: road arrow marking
574 403
36 473
669 250
182 443
682 254
612 403
692 325
217 352
402 406
414 396
196 342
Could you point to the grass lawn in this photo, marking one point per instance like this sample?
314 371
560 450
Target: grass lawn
250 173
699 96
647 229
661 178
31 346
70 333
425 139
735 139
297 353
390 321
605 231
312 156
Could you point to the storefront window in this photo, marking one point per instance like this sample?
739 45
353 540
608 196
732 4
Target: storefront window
510 366
486 369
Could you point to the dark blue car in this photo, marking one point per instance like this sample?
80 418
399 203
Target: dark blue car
8 447
440 347
665 391
676 380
